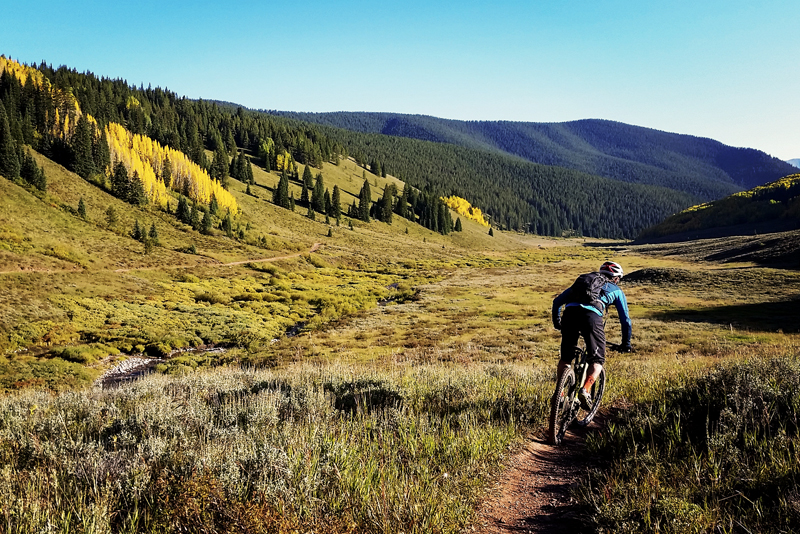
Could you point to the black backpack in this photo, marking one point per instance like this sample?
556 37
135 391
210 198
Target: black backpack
586 289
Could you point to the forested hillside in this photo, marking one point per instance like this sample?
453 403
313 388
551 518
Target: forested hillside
517 194
166 139
699 166
769 208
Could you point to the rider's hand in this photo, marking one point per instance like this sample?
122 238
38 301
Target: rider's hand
556 323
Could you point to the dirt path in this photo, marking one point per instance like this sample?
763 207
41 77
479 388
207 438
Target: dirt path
314 248
533 495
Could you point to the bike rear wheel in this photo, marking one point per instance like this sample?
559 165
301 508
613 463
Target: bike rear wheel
561 406
598 388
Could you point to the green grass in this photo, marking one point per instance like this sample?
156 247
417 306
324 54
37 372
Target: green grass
714 451
331 449
418 355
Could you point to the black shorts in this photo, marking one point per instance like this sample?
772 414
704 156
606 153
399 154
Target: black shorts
576 322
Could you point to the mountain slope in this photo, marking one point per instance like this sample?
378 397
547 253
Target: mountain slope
769 208
794 162
699 166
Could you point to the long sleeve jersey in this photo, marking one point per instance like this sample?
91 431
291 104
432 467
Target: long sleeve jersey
609 294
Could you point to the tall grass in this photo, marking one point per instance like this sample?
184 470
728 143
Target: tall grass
718 451
306 449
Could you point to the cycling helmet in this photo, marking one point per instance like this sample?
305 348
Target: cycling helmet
611 269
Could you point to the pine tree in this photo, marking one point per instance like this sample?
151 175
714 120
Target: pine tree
364 201
137 232
336 203
166 172
227 225
136 194
82 209
386 204
111 217
82 155
458 225
328 203
195 216
9 158
491 231
120 183
318 195
213 206
153 234
291 201
280 196
183 212
206 224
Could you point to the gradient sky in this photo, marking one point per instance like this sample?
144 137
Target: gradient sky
720 69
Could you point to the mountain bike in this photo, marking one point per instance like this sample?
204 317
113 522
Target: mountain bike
565 406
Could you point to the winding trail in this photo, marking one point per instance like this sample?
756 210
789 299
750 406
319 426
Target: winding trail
313 248
534 493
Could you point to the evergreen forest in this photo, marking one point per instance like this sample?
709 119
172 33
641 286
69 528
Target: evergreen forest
513 194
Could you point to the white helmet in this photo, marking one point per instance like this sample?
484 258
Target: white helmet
611 269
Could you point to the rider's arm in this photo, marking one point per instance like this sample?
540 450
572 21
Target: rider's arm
621 303
558 302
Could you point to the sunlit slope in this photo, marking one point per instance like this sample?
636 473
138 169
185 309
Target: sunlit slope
769 208
45 232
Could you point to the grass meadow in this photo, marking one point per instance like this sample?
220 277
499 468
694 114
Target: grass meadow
420 362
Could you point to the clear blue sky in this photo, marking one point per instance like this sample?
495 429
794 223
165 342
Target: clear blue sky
721 69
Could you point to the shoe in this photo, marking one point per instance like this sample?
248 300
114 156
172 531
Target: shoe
586 399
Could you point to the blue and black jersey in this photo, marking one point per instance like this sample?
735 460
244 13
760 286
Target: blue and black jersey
609 294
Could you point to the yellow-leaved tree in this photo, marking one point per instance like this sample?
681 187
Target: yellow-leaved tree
148 157
463 207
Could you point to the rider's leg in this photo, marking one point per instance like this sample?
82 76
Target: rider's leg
570 334
596 348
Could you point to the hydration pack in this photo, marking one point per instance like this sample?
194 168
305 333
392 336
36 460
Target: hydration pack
586 289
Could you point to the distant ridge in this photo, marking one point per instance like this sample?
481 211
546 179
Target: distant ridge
795 162
774 207
699 166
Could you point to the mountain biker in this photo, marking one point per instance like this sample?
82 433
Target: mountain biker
582 319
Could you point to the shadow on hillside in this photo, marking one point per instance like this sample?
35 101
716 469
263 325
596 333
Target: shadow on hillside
766 316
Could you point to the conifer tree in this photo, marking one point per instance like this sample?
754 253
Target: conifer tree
153 234
183 212
328 203
458 225
401 208
364 201
291 201
136 194
137 232
213 206
227 225
318 195
491 231
82 209
120 184
336 203
166 172
386 203
9 158
82 154
206 224
195 216
111 217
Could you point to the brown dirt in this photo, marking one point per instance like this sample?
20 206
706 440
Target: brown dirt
534 494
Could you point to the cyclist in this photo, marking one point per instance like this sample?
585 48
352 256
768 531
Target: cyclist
582 319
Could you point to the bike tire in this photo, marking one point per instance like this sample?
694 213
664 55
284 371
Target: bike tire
583 417
561 407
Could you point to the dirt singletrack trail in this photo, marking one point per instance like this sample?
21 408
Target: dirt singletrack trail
533 495
314 248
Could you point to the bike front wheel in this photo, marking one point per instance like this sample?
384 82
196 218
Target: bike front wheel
585 417
561 406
